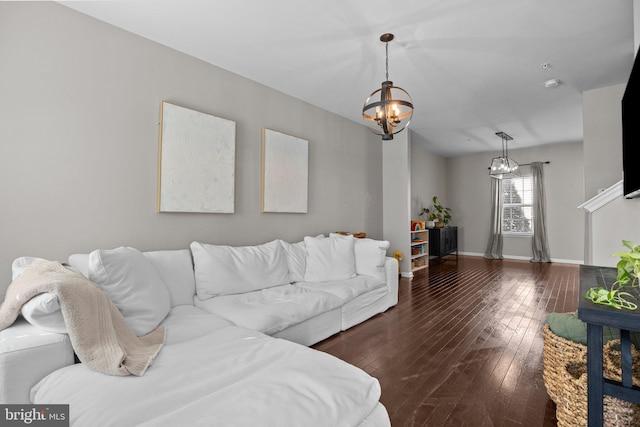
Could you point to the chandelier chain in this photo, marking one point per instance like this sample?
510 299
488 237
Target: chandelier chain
387 59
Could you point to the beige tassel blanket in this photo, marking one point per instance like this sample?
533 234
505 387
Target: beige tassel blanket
97 330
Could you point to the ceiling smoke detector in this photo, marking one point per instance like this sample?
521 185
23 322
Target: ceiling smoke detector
551 83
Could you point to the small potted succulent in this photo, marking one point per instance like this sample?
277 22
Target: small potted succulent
437 214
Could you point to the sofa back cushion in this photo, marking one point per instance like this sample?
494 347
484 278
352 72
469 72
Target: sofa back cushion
133 285
329 259
176 269
175 266
226 270
296 254
370 256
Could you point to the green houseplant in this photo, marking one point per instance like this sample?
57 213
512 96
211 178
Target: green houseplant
629 264
438 213
627 277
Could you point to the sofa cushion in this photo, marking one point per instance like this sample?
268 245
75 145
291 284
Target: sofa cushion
227 270
346 290
329 259
176 269
271 310
364 306
370 256
134 286
186 322
296 254
28 354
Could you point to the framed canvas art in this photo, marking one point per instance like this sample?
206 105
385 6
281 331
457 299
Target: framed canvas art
196 161
285 172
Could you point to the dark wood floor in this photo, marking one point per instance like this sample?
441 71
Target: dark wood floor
463 347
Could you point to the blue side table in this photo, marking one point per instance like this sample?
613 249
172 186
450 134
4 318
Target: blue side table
596 316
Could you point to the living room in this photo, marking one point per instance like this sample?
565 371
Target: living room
82 108
80 118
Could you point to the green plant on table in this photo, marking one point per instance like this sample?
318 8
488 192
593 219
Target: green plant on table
613 298
437 212
629 264
628 270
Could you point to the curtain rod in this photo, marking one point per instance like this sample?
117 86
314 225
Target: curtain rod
529 164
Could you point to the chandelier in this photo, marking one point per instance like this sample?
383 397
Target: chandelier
503 166
388 110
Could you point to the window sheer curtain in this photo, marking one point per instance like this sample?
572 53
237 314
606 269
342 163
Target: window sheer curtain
539 244
494 245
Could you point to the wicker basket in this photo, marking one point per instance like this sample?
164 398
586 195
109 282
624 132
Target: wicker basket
571 409
611 362
558 352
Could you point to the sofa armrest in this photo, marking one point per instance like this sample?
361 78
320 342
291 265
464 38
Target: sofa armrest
391 271
28 354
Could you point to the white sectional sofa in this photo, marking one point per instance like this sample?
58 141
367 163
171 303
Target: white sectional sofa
222 307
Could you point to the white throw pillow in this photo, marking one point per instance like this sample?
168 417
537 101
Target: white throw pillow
370 256
296 260
133 285
329 259
226 270
42 310
21 264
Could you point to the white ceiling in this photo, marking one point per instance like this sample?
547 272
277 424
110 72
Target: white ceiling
472 67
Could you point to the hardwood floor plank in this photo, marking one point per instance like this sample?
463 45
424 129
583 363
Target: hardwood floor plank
463 347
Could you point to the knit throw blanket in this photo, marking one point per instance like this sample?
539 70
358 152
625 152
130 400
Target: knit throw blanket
97 330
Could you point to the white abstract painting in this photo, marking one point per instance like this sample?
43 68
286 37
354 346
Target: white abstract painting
285 172
197 162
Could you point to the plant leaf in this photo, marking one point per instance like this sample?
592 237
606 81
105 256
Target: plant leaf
627 255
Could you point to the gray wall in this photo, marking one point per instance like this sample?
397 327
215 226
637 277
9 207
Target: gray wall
79 128
613 223
428 179
468 185
607 227
602 125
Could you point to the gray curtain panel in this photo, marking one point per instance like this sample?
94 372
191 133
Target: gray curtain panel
539 243
494 245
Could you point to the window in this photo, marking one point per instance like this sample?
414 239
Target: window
517 209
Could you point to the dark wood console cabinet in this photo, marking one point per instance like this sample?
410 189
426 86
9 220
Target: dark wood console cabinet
443 241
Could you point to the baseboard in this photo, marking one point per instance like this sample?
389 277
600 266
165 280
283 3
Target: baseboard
567 261
524 258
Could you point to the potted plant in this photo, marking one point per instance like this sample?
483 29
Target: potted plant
438 214
628 277
629 264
